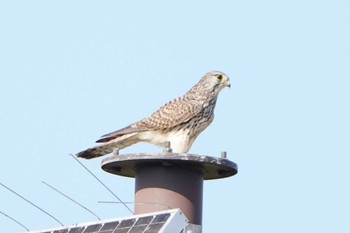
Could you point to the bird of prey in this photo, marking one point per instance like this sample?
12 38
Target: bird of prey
178 122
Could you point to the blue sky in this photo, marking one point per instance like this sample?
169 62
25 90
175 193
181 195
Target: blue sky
72 71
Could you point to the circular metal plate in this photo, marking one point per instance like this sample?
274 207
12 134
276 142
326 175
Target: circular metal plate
211 167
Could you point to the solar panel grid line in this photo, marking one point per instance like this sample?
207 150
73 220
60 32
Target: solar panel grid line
138 229
108 231
93 228
122 230
77 230
141 224
127 223
109 226
145 223
144 220
61 231
154 228
161 218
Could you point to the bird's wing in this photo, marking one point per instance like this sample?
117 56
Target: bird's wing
171 114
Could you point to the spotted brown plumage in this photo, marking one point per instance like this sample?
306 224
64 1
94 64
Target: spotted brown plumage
179 121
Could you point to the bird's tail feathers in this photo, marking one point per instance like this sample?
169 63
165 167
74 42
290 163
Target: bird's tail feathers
124 131
108 146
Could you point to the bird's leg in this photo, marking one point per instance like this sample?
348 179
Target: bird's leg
223 155
116 151
167 147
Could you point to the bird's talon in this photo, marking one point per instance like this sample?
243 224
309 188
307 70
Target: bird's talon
116 151
167 147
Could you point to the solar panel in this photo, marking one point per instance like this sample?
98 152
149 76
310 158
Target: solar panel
171 221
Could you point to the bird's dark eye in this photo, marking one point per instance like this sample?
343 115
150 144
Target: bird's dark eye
219 76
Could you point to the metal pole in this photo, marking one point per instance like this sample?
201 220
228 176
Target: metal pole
161 187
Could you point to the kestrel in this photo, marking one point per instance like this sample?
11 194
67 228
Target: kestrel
178 122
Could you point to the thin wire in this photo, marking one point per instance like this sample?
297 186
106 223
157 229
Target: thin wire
102 183
71 199
137 203
32 204
14 220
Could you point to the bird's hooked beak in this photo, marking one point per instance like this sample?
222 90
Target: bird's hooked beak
228 83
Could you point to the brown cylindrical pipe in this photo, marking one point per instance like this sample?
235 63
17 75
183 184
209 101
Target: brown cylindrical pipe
160 187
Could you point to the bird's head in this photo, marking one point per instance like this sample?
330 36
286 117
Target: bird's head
214 81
